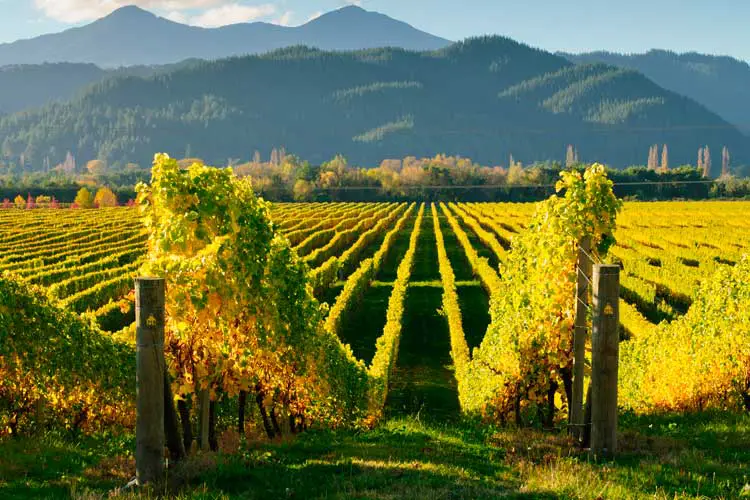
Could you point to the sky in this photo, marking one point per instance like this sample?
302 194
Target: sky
707 26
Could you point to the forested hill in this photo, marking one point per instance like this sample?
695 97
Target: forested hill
720 83
28 86
25 86
485 98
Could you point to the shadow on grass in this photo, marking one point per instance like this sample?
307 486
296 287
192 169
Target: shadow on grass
51 466
366 321
331 293
475 313
423 383
665 457
426 267
396 253
402 459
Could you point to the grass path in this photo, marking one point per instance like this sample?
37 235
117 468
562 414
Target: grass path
423 384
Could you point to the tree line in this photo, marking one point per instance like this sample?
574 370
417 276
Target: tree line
285 177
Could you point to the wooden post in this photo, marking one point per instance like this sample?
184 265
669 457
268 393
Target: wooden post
149 320
605 353
579 337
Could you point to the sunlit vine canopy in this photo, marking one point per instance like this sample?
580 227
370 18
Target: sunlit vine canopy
241 315
527 351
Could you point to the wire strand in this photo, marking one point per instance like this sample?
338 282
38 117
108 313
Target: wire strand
592 259
585 276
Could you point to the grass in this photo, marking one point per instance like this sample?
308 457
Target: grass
54 465
666 457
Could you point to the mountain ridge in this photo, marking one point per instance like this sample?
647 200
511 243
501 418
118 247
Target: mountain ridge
721 83
114 41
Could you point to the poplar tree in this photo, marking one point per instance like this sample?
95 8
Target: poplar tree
570 156
653 157
725 158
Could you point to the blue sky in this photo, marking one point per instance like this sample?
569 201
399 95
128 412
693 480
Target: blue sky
714 27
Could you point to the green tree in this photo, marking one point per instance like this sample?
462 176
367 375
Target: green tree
84 199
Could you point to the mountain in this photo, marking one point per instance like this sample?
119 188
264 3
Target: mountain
720 83
485 98
25 86
133 36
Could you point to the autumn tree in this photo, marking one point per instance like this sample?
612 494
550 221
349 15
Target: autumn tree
105 198
725 159
187 162
19 202
653 157
706 162
570 156
84 199
664 159
303 189
43 201
96 167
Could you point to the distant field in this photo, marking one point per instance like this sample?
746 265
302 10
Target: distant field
87 258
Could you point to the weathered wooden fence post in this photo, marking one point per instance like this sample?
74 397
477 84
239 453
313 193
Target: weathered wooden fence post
579 337
605 352
149 320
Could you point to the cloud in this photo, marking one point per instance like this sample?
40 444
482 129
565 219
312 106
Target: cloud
177 16
232 14
76 11
285 19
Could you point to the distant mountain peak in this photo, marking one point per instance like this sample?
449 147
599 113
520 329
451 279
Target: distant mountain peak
131 36
130 12
352 13
351 8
